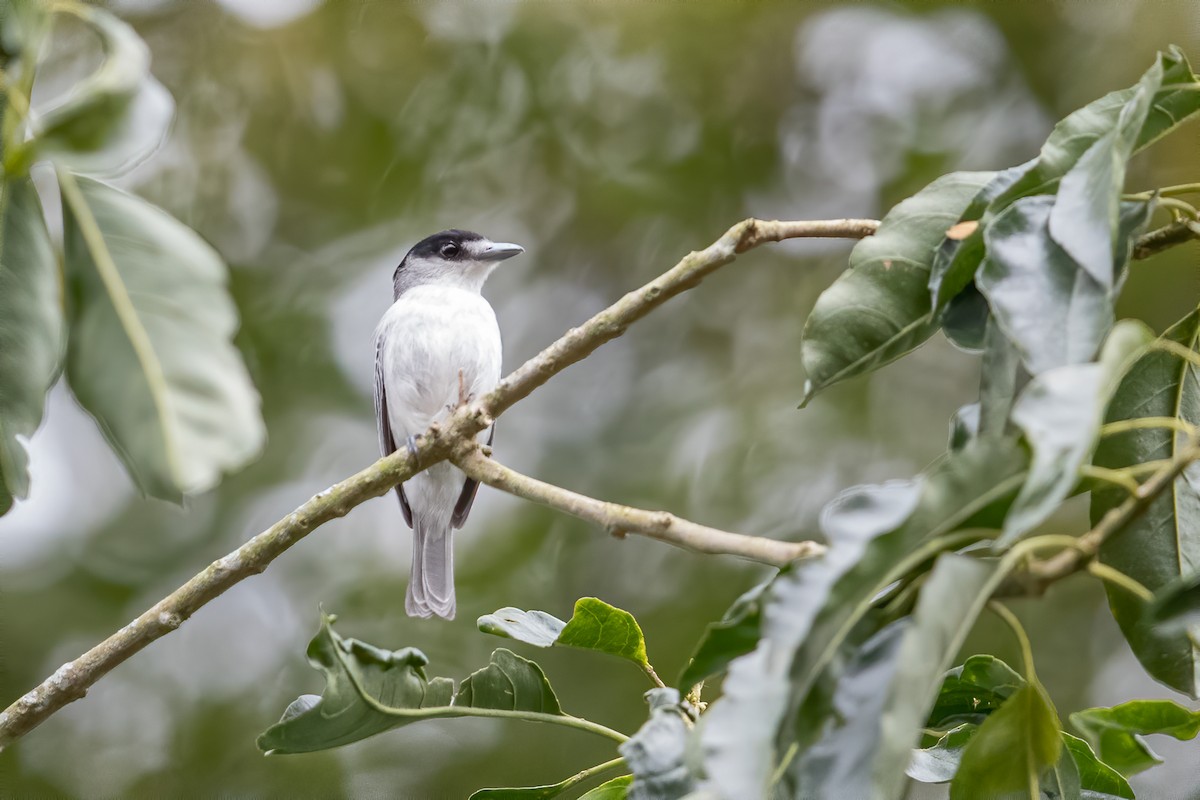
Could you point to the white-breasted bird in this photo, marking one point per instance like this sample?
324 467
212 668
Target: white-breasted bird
438 342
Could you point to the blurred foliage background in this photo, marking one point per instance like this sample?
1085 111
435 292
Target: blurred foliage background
314 143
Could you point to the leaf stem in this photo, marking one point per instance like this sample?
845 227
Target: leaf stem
1178 350
1114 476
1147 423
652 675
583 775
1010 619
1117 578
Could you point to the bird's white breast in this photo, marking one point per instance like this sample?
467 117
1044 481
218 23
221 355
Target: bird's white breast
429 335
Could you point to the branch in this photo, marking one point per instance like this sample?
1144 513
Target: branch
1035 579
1159 239
72 680
619 519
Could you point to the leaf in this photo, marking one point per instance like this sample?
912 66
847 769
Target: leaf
733 636
32 333
1162 544
883 712
997 381
966 320
879 309
1053 311
939 762
95 109
1176 101
1116 733
369 690
615 789
1094 774
149 352
874 532
522 792
1086 214
1060 413
1176 607
532 627
970 692
964 426
1018 741
655 754
595 625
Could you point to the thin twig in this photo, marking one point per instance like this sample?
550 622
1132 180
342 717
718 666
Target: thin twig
72 680
616 518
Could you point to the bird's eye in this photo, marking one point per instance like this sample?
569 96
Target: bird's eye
449 250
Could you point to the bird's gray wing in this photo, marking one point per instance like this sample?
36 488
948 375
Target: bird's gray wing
467 496
386 444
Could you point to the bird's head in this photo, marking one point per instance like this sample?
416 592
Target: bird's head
452 258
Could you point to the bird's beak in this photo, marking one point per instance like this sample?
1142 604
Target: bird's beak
498 251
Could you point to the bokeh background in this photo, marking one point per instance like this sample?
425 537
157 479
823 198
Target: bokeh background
315 142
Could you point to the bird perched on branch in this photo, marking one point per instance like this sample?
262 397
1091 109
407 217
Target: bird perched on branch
436 347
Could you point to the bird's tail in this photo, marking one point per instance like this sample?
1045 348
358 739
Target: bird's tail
431 583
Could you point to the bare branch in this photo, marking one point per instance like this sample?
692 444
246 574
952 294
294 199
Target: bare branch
1159 239
619 519
72 680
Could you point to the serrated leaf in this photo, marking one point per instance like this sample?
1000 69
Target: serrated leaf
736 634
32 333
1162 544
149 352
972 691
1020 740
369 690
810 610
655 754
1053 311
1060 413
595 625
1094 774
1116 733
879 309
938 762
615 789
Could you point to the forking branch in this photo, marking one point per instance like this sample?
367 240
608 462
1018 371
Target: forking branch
73 679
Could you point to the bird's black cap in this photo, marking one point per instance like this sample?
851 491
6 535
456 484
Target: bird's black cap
435 246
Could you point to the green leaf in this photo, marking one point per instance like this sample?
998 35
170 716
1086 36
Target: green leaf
879 309
1011 749
1157 547
1176 607
32 333
655 754
595 625
1176 101
93 114
1116 733
1086 215
615 789
970 692
369 690
966 319
997 380
938 762
1052 310
736 634
149 353
876 535
522 792
532 627
1060 413
1094 774
884 709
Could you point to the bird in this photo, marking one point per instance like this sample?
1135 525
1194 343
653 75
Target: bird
437 345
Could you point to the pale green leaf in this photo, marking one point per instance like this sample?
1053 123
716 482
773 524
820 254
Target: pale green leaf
150 353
